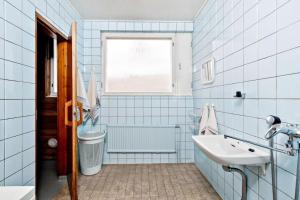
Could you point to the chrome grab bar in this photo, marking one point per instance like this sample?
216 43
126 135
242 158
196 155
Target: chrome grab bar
257 144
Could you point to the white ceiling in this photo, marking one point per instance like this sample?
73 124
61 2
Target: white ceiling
138 9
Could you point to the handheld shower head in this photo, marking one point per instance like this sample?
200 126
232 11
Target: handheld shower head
272 120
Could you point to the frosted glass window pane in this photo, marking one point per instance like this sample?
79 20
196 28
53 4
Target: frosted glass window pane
138 66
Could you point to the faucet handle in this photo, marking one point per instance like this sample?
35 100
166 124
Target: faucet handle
290 146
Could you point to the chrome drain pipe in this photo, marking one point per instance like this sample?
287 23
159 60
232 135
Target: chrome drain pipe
244 179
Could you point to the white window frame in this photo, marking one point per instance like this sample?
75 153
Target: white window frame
123 35
54 70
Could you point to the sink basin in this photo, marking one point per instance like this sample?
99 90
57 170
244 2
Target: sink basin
229 151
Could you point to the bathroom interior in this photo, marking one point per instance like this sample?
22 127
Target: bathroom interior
173 99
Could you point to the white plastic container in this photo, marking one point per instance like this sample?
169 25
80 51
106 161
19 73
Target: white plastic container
91 146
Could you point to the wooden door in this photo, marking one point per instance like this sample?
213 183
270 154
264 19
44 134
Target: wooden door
69 110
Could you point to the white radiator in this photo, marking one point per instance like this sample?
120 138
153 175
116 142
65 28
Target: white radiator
141 139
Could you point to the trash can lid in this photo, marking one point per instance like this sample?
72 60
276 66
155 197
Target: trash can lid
91 135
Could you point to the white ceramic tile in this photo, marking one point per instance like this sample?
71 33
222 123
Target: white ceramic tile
13 71
28 156
28 107
287 62
1 8
249 4
28 74
28 140
288 14
291 32
28 25
13 127
28 41
251 53
251 107
2 129
2 150
286 182
2 91
236 72
267 46
251 89
28 57
13 164
251 17
13 90
2 32
28 173
13 33
287 86
13 52
2 109
13 146
234 60
13 15
251 35
28 8
266 107
13 108
1 170
1 69
2 48
267 25
265 189
267 88
15 179
286 110
251 71
28 124
267 67
28 91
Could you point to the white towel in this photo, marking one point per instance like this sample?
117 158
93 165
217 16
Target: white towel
81 92
212 125
94 99
203 122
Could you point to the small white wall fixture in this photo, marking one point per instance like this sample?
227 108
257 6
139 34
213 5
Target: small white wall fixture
208 71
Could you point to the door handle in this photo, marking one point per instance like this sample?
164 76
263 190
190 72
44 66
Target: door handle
67 105
80 107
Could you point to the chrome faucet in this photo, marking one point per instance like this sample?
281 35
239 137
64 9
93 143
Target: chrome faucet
292 131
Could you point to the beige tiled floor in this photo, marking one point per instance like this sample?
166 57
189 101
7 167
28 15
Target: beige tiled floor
144 182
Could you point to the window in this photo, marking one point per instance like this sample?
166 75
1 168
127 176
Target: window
50 66
140 63
53 83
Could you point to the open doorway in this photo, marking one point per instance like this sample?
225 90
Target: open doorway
48 182
56 120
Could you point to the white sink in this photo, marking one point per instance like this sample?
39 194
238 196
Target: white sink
229 151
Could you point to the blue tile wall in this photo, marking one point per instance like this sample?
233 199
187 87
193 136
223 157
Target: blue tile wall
147 110
17 81
256 46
